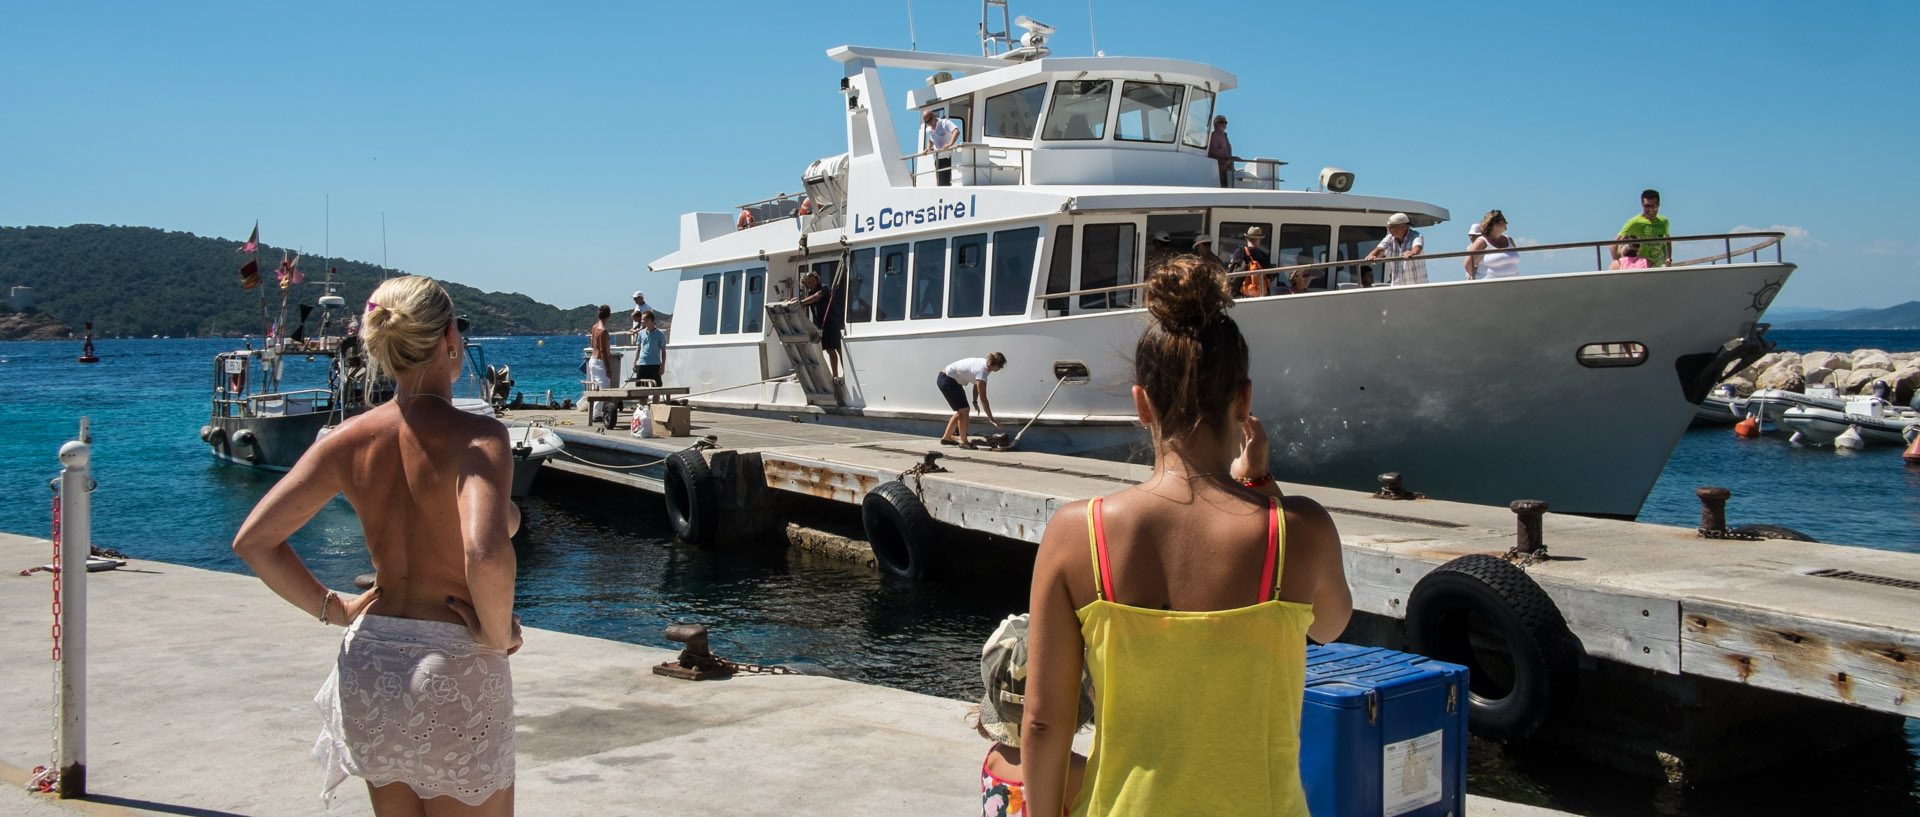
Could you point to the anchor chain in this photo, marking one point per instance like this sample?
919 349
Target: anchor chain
929 466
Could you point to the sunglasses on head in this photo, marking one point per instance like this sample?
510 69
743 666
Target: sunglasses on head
461 324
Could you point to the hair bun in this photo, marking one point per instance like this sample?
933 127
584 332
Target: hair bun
1187 294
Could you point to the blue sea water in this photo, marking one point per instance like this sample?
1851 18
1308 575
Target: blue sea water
601 562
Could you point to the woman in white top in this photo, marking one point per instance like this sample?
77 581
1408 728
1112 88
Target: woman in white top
953 382
1493 236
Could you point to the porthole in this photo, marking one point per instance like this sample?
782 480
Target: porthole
1611 354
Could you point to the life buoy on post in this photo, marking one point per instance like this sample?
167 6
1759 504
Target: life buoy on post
1483 612
806 206
902 533
744 221
692 497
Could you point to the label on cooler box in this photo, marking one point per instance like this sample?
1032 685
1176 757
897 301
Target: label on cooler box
1410 774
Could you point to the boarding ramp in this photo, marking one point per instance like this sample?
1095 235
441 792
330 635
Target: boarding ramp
801 339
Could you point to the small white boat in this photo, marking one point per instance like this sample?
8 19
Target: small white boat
533 445
1876 423
1770 404
1721 408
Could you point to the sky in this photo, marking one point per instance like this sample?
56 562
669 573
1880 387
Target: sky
550 148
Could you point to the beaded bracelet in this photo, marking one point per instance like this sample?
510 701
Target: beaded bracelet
1258 482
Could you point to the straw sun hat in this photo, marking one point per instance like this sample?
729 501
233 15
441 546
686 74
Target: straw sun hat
1003 672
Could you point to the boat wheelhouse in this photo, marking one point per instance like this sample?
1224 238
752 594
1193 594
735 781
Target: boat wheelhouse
1072 177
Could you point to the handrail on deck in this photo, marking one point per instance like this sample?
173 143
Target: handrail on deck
974 166
1769 239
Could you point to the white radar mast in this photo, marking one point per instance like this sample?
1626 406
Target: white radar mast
1031 45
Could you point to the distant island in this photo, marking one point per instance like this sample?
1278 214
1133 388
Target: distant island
1904 316
139 282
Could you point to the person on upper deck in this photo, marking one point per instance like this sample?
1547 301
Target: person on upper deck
1190 597
1404 243
1649 224
1220 149
942 134
1493 236
1629 258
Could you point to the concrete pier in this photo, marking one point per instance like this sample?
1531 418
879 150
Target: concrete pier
202 682
1707 628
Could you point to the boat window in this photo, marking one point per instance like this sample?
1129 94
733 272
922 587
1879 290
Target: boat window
709 303
1013 257
1149 111
1356 242
1079 110
1060 269
1304 244
1180 228
860 287
1012 114
730 303
929 277
891 305
751 316
1199 122
1106 261
1610 355
967 290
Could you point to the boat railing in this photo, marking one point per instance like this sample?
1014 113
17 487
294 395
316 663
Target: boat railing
1355 267
975 164
780 207
274 404
1257 174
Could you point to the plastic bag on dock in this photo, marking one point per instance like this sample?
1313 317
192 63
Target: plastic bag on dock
642 423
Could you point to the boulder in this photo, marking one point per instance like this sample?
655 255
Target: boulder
1817 360
1903 358
1821 375
1905 382
1839 362
1754 369
1741 386
1872 359
1859 380
1783 376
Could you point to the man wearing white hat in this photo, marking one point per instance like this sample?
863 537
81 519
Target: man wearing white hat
1402 242
640 307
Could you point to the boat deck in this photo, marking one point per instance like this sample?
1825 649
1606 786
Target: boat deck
1771 614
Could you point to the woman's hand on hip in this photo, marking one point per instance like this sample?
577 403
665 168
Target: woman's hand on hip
472 619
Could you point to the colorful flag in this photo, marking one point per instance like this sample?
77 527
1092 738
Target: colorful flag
289 271
253 241
250 274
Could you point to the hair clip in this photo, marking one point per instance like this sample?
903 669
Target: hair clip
371 305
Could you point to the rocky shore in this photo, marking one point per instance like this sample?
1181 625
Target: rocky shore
32 326
1849 372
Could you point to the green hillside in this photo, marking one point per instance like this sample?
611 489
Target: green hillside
139 281
1904 316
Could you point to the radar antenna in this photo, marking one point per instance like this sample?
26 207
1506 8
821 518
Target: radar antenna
1000 42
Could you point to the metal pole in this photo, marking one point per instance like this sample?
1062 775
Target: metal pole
76 544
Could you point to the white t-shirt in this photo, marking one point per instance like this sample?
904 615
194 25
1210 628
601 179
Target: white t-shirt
968 370
942 134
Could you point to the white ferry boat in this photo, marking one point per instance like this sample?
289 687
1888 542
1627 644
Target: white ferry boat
1069 172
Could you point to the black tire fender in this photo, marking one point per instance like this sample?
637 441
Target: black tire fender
1484 613
1773 532
902 533
692 496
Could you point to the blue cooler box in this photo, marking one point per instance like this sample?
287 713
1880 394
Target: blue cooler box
1383 734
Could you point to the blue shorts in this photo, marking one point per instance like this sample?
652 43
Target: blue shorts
956 394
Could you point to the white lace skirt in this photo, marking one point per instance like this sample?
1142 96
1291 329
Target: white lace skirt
421 703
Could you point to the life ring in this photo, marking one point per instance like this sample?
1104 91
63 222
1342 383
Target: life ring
692 497
1483 612
1773 532
806 206
744 221
899 529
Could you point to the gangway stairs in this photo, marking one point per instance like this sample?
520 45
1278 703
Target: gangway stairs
801 338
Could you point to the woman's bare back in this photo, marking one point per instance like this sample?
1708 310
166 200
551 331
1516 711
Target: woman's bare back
402 468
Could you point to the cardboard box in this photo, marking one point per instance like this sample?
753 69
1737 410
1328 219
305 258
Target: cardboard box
671 421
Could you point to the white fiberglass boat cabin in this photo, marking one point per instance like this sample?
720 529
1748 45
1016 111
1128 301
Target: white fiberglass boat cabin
1072 175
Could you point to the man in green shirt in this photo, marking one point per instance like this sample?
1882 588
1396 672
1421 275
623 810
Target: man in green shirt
1649 224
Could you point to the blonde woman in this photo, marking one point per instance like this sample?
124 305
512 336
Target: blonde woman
420 702
1493 236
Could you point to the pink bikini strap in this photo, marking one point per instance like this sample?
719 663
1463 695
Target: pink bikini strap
1097 542
1270 572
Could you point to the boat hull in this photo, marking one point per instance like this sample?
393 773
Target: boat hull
531 449
278 442
1822 426
1472 390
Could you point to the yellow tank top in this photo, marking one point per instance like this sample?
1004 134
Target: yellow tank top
1195 712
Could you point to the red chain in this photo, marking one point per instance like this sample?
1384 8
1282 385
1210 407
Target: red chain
56 577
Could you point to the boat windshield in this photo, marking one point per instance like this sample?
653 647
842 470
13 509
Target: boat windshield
1079 110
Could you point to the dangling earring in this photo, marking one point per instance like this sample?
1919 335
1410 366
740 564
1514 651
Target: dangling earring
452 353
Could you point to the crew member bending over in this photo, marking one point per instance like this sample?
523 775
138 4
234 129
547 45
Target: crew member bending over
953 381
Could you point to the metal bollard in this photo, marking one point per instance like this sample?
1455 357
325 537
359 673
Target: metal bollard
76 545
1713 510
1390 488
1527 537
